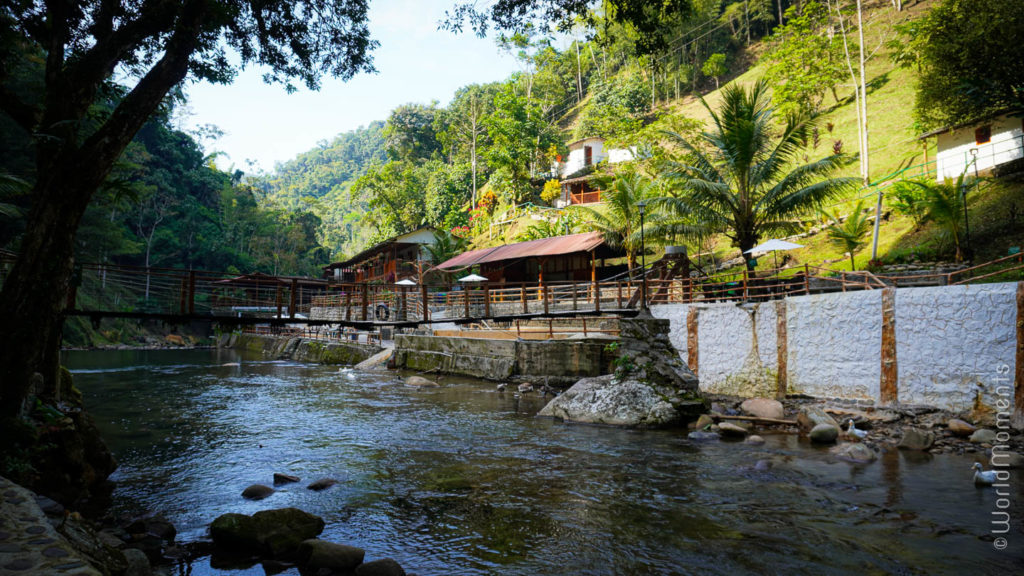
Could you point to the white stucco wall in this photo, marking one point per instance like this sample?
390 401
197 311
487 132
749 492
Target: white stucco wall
951 341
676 313
576 160
834 344
953 344
954 148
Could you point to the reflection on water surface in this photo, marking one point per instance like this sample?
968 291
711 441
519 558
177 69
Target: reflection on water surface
463 480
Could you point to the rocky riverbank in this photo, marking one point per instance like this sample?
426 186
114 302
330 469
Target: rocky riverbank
878 429
40 536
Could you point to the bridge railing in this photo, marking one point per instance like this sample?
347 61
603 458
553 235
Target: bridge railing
155 292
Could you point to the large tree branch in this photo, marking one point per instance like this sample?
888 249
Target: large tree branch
106 144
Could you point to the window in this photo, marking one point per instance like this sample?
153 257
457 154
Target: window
983 135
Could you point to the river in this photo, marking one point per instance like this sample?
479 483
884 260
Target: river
464 480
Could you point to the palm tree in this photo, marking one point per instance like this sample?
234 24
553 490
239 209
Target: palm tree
849 235
618 218
742 177
945 204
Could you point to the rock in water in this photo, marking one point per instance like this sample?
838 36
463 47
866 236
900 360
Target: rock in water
811 416
138 563
318 554
983 436
655 388
629 403
755 440
704 422
960 428
701 436
275 532
824 434
730 430
322 484
763 408
855 452
284 478
914 439
384 567
420 382
257 492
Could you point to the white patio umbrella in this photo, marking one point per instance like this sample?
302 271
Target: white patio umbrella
473 278
774 246
406 282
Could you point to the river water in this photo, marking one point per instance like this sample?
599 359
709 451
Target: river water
464 480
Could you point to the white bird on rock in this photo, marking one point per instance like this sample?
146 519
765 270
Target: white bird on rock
983 477
851 430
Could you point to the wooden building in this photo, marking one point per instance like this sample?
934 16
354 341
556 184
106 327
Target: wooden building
387 262
578 171
572 258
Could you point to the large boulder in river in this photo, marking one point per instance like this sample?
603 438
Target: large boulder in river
763 408
277 533
629 403
382 567
652 387
420 382
824 434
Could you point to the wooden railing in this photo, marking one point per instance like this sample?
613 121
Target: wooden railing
160 292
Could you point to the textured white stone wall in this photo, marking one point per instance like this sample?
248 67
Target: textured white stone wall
951 342
835 344
767 336
676 313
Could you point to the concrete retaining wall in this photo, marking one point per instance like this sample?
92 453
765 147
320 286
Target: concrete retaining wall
302 349
954 347
557 361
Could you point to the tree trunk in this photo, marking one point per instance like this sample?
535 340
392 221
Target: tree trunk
36 292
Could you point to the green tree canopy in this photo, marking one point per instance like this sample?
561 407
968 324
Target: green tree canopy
970 60
743 177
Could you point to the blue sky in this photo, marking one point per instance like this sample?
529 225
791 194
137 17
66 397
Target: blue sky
416 62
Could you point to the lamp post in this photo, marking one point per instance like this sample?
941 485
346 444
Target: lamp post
642 205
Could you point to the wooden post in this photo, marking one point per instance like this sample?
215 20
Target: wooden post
279 300
584 326
191 291
405 303
889 388
546 295
618 285
518 334
597 296
366 300
807 278
692 351
574 307
487 301
745 291
842 279
425 297
465 297
292 299
540 280
348 303
551 328
522 297
782 351
183 304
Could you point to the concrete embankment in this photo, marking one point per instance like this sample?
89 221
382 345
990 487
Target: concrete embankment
301 349
556 361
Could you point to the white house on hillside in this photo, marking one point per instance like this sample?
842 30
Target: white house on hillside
576 171
988 142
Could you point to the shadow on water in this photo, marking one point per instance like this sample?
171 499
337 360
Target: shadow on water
465 480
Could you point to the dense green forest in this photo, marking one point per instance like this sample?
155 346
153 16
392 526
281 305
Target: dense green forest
463 165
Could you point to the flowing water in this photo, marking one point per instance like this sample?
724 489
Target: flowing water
464 480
